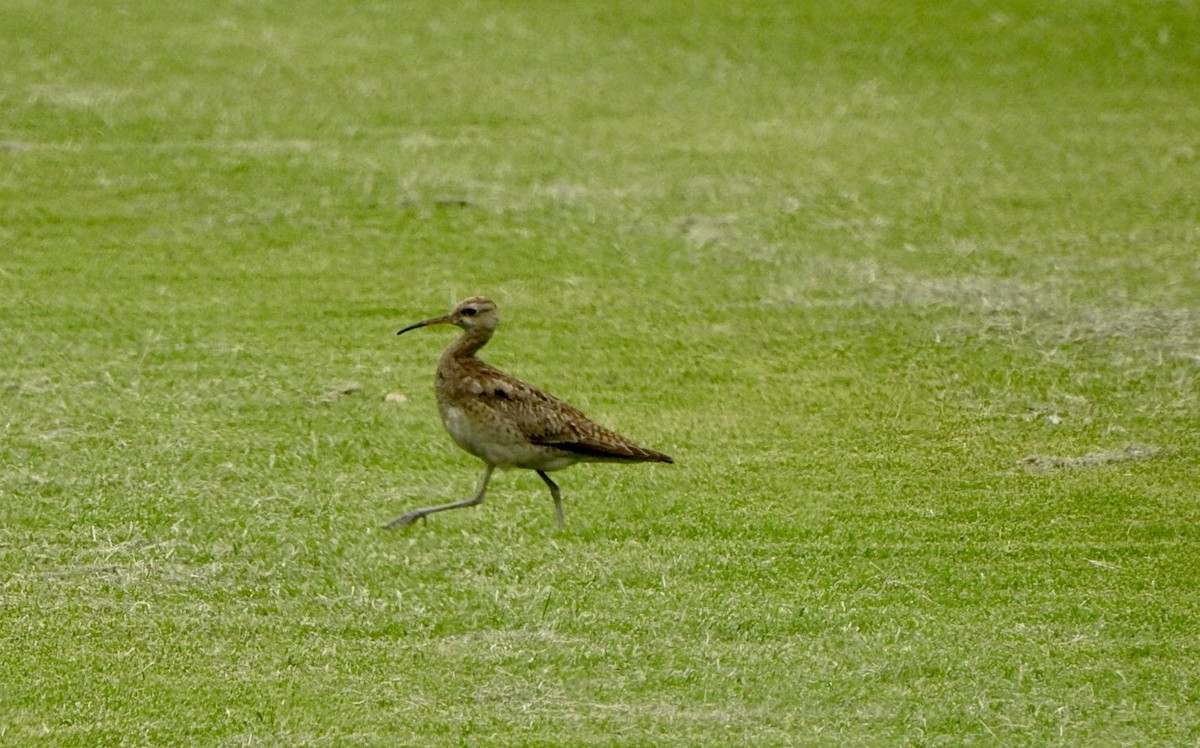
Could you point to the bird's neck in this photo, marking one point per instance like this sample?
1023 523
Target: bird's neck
467 344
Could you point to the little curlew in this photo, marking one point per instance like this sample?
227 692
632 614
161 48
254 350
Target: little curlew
508 423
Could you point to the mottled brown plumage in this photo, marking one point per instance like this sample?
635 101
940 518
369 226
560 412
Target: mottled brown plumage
508 423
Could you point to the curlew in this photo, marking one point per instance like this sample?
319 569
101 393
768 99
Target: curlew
508 423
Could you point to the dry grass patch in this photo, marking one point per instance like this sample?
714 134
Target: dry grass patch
1130 453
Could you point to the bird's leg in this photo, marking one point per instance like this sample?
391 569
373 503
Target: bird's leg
410 517
557 498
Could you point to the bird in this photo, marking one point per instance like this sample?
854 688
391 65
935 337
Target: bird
508 423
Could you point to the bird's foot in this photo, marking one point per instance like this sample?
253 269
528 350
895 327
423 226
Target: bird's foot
405 520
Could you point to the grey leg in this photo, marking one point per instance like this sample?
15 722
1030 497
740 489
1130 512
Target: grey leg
416 514
557 498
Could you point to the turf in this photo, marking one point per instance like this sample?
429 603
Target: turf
911 292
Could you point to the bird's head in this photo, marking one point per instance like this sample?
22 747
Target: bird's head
477 313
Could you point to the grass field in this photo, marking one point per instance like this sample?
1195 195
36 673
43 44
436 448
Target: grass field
910 291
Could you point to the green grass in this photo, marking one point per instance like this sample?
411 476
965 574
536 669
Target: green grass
911 292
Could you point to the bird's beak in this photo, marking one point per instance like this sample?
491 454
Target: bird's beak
443 320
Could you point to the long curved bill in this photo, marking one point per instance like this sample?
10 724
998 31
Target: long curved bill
443 320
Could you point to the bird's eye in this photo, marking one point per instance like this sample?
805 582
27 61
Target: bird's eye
470 311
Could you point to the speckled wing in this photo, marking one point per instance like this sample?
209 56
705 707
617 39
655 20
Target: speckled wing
547 421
